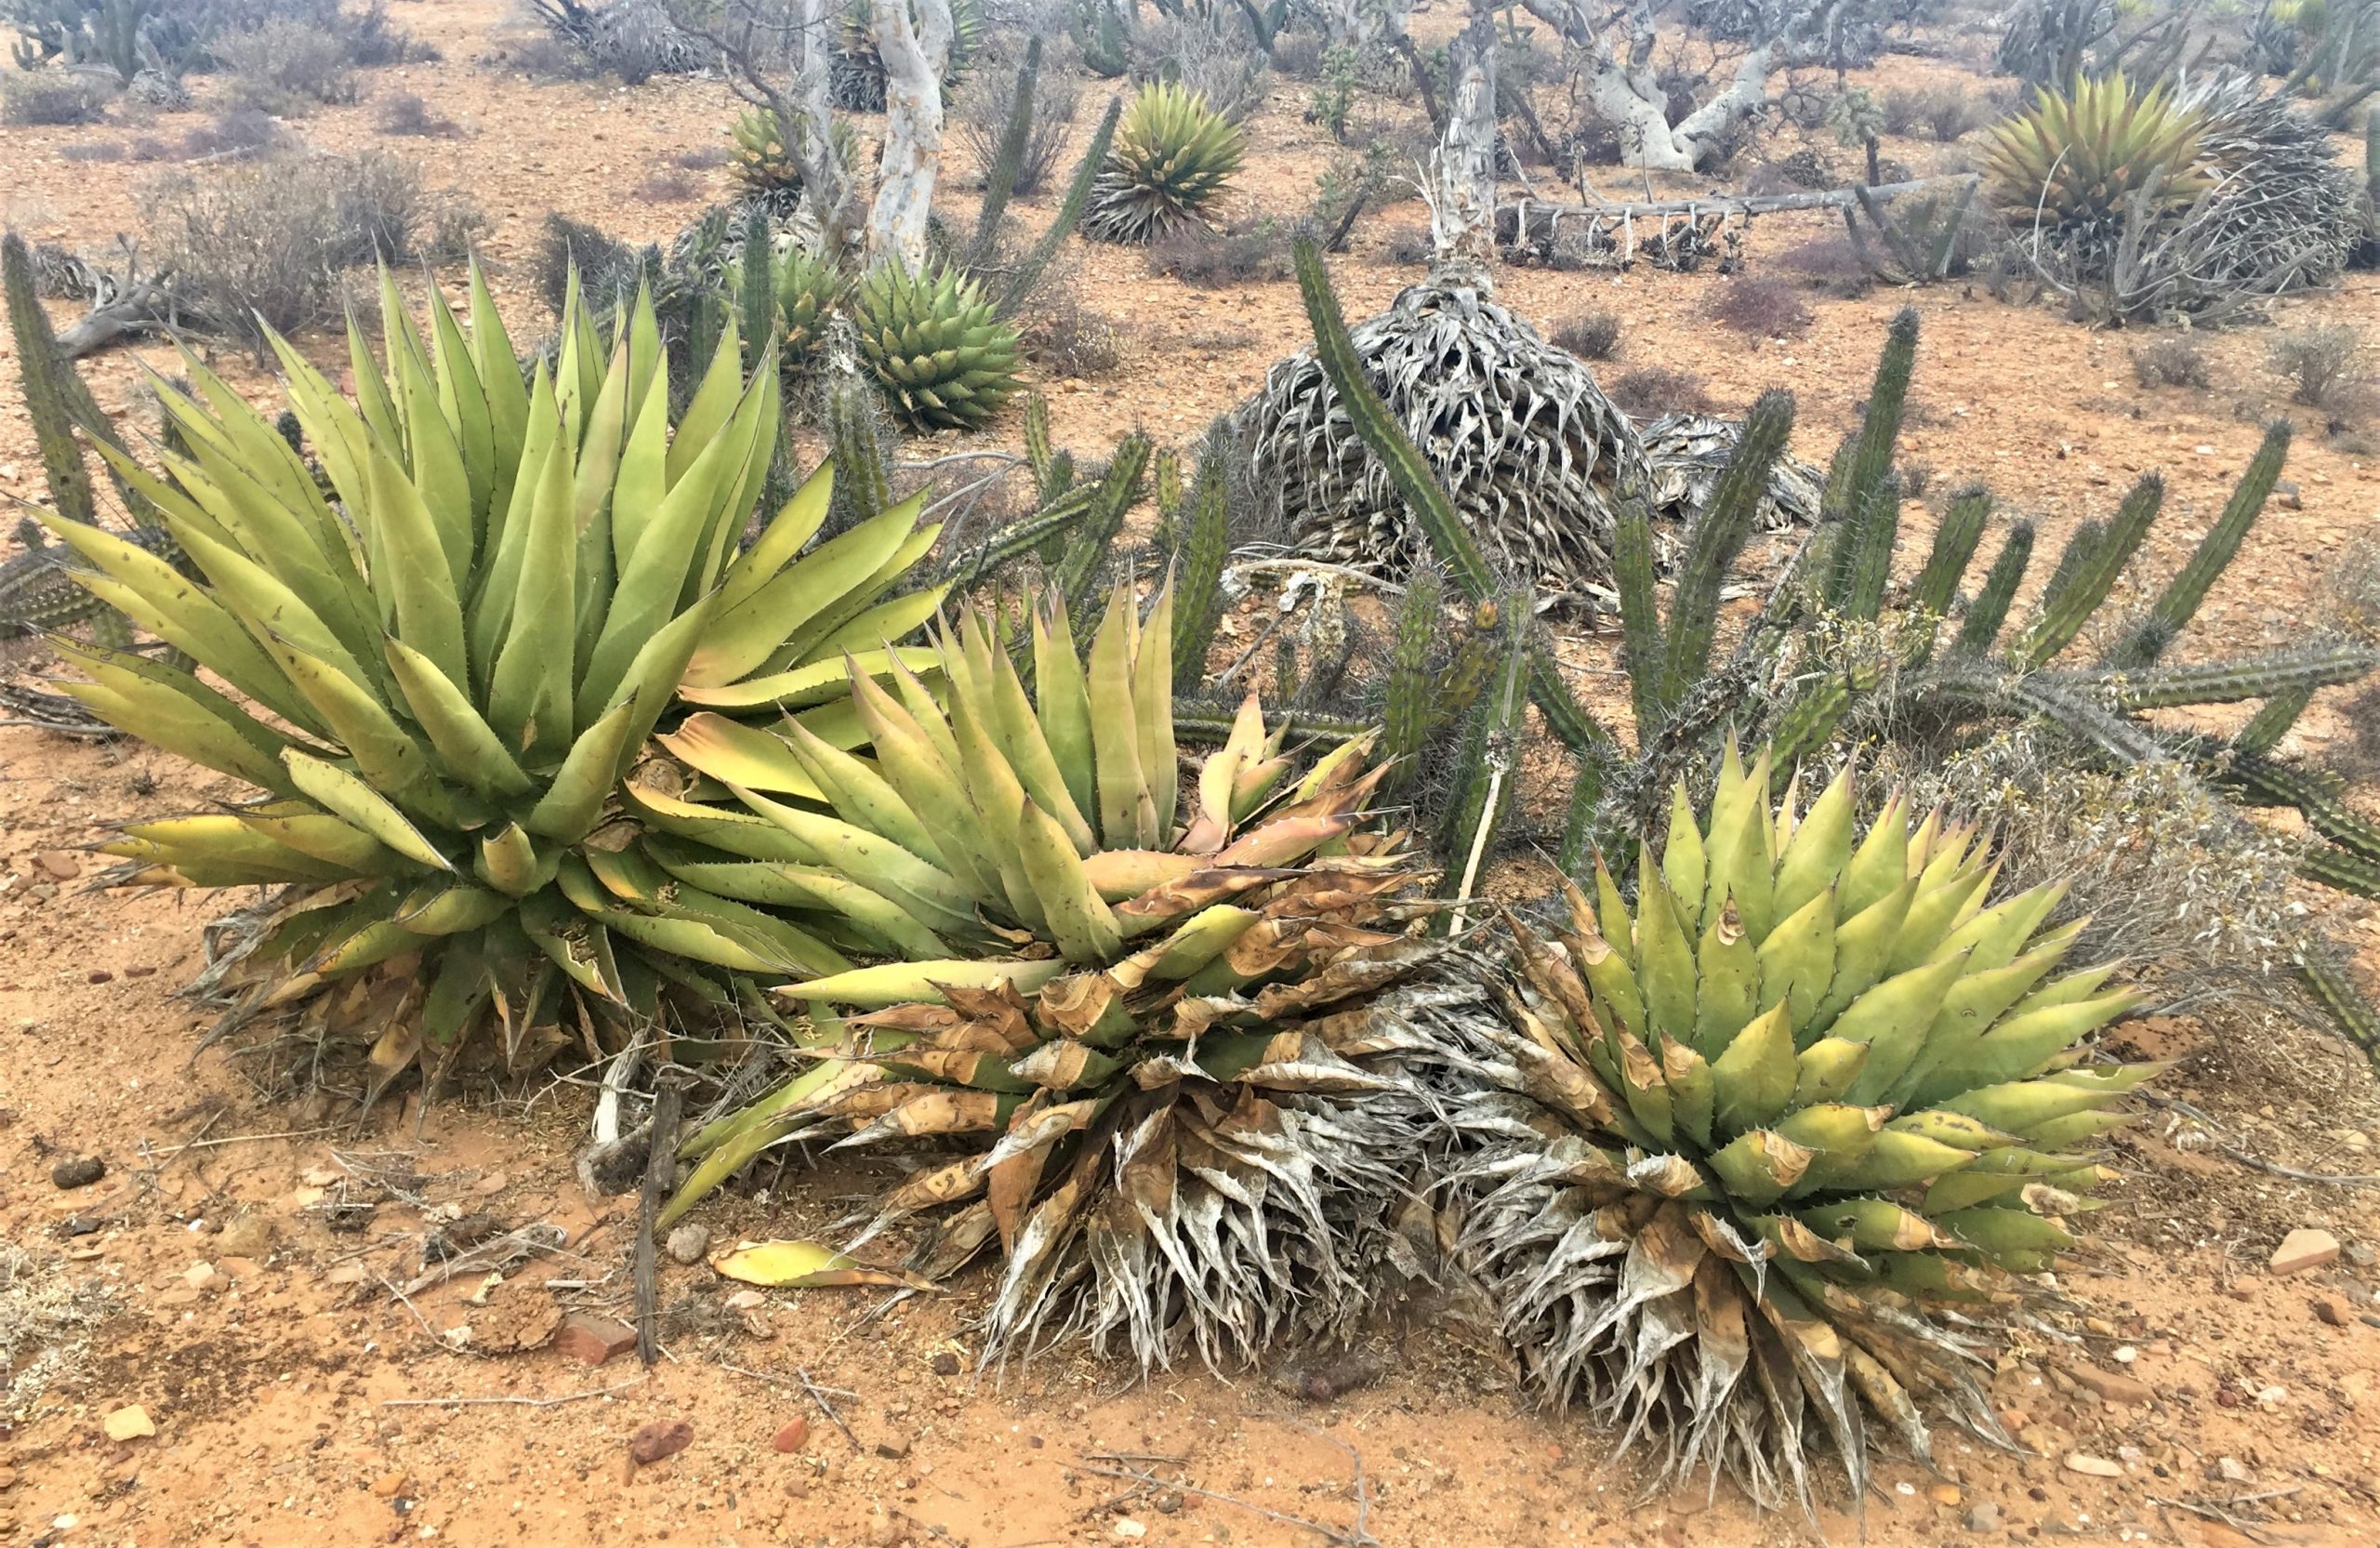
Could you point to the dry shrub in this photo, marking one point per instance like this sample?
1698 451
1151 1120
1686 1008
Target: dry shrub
2354 585
372 40
50 98
2176 362
286 65
2318 363
668 187
1650 391
1589 335
702 158
1756 304
261 243
1066 335
234 133
404 113
45 1317
2170 875
988 100
1945 111
1406 245
1830 265
103 149
1241 253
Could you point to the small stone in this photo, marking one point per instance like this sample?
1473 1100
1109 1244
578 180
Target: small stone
662 1438
747 1300
1984 1517
1127 1527
2303 1249
351 1272
593 1340
945 1364
246 1237
1944 1494
2231 1470
489 1186
687 1242
98 975
2093 1467
62 863
388 1485
202 1276
78 1172
129 1423
2109 1386
2334 1310
793 1438
893 1447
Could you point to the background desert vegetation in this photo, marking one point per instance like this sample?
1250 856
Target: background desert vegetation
1544 410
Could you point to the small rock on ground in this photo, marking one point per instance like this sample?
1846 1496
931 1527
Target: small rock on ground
2303 1249
687 1242
662 1438
592 1340
78 1172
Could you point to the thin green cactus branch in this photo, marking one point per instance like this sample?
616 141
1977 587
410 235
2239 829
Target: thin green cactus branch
2179 603
1000 179
1027 276
1569 720
1203 544
2091 574
2270 725
1640 618
2263 677
1716 543
1989 611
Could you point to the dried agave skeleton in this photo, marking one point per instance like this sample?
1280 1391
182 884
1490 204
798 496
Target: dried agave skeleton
1534 456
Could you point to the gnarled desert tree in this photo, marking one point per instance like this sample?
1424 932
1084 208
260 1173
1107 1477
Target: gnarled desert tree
1612 52
913 39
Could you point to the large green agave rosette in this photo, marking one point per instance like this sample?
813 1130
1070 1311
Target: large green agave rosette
434 646
1758 1132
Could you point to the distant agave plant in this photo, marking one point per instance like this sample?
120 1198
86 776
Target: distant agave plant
1170 159
944 357
1770 1141
2083 154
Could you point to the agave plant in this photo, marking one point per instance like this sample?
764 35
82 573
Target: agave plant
809 289
944 356
1171 158
450 669
2083 155
1757 1132
1163 1033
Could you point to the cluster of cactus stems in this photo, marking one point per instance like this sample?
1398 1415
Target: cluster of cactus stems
125 35
1961 661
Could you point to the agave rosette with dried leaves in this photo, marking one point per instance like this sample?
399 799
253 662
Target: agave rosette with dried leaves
1759 1132
440 657
1160 1053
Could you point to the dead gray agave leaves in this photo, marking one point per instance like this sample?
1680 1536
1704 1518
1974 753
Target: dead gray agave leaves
1532 453
1626 1311
1228 1218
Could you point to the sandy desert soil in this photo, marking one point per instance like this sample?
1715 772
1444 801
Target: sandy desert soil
236 1271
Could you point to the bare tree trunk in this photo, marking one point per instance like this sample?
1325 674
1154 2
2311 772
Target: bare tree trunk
1463 213
1357 24
1625 90
913 39
826 181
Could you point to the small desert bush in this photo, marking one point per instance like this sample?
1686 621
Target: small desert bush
1066 336
404 113
262 242
702 158
233 133
2177 361
2354 585
1758 304
1945 112
2168 874
2318 363
1650 391
1589 335
988 100
671 187
1406 245
1830 265
1244 252
100 149
287 65
48 99
372 40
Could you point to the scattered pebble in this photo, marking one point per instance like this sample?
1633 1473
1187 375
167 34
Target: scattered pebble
2334 1310
1984 1517
2109 1385
893 1447
62 863
388 1485
246 1237
793 1438
945 1364
661 1438
2093 1467
2231 1470
129 1423
1127 1527
2303 1249
687 1242
79 1171
592 1340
